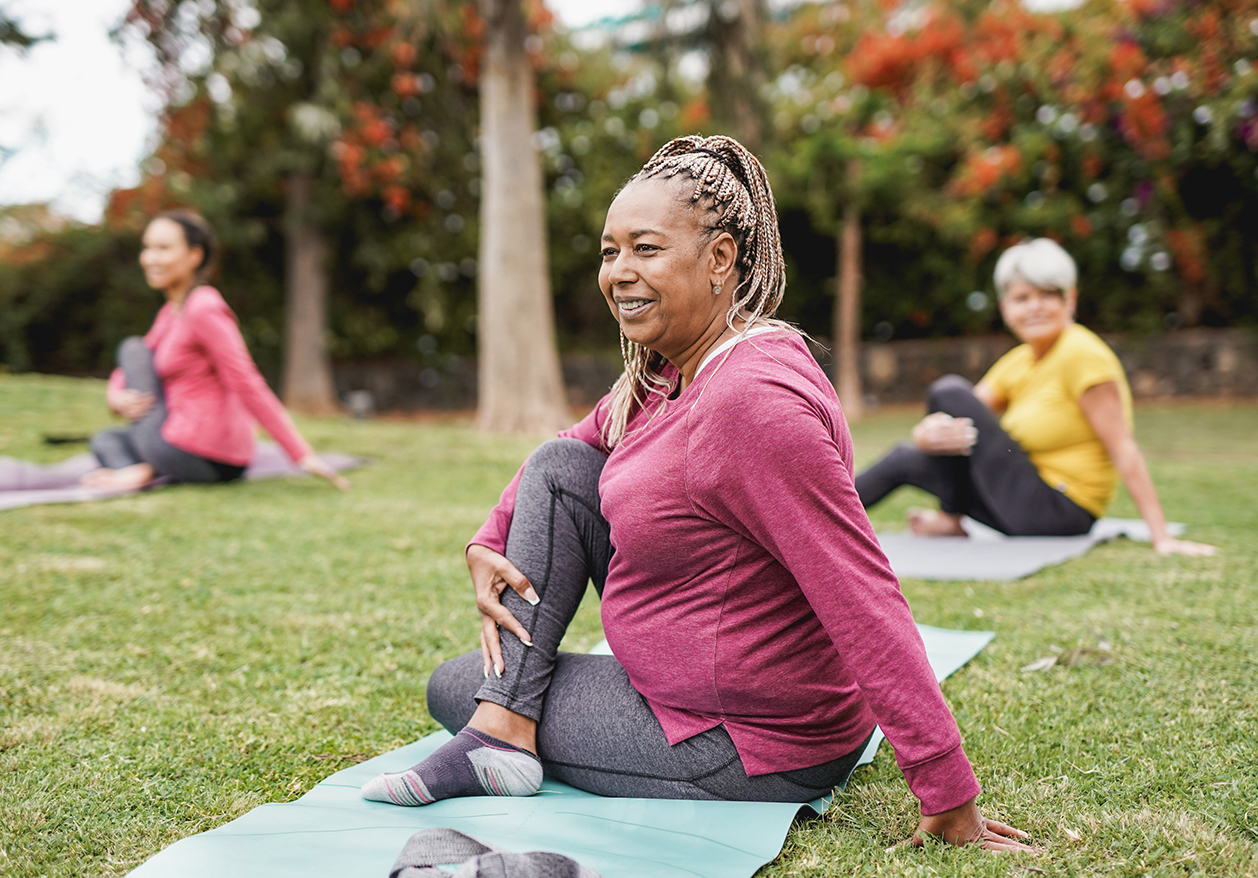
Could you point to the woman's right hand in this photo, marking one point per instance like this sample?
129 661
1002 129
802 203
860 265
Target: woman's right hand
131 404
492 573
940 433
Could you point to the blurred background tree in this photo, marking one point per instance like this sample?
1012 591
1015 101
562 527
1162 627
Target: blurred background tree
937 133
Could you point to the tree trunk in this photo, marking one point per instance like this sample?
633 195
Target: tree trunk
847 316
307 384
737 71
518 379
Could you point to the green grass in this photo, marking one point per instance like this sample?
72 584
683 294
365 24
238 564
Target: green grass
171 660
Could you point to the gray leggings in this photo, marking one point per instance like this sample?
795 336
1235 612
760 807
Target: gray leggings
142 442
594 730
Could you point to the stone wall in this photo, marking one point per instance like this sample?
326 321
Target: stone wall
1191 362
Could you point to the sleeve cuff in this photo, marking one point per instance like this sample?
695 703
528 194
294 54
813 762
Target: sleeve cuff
944 782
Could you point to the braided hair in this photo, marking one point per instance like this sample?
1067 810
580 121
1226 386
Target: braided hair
731 194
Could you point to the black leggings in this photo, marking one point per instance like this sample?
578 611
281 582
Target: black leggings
142 442
594 730
996 484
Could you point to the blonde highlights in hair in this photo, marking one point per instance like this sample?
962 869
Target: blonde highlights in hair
731 193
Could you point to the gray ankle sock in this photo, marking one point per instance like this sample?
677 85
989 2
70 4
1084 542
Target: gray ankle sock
472 764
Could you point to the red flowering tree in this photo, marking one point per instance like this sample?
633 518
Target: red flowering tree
1127 130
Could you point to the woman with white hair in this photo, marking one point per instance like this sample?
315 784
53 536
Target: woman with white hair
1036 448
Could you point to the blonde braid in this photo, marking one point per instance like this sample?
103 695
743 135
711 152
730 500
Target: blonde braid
733 195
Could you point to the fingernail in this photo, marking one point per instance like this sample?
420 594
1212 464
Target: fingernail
486 673
526 641
498 671
531 596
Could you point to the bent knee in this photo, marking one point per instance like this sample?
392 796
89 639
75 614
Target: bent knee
946 389
565 459
131 345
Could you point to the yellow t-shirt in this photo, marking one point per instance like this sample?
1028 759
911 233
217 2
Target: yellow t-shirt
1042 412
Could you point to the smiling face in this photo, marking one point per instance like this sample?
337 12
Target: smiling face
169 264
1037 317
658 272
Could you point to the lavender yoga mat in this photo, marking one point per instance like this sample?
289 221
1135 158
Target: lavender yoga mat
28 484
991 556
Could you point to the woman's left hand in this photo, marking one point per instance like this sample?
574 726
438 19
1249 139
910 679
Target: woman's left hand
965 825
315 465
1171 546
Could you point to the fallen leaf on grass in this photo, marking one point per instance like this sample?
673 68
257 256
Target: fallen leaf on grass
1079 653
1041 664
1071 834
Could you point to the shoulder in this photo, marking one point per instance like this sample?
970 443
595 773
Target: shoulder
765 380
1080 339
205 307
1083 349
205 299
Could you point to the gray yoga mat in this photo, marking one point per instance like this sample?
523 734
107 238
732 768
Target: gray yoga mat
23 483
332 832
989 555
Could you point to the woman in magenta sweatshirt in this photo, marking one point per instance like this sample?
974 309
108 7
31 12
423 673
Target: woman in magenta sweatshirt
189 387
758 631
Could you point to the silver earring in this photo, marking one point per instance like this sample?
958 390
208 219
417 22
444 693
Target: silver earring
716 289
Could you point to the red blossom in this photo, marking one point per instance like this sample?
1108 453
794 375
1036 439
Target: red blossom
1188 247
404 55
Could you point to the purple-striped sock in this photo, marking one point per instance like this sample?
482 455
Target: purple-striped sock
472 764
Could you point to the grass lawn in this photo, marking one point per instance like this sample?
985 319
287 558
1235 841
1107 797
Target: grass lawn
171 660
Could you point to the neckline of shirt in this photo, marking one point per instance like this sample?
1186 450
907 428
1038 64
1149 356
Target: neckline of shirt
729 343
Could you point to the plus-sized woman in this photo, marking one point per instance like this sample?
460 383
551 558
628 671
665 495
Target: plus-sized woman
759 634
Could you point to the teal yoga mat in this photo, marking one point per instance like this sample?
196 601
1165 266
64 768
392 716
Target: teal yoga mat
332 832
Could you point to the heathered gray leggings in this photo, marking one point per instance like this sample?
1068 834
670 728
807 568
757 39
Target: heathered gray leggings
142 442
594 731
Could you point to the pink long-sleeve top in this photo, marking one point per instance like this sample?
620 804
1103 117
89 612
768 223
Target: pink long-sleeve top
747 588
214 392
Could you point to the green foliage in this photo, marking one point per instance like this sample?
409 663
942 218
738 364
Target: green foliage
65 306
13 34
1125 130
174 659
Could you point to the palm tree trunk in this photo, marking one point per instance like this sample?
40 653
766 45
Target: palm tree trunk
519 380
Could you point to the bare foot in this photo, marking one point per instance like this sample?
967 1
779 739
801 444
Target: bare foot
934 523
129 478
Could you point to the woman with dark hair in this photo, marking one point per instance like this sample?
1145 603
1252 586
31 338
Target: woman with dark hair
189 387
759 633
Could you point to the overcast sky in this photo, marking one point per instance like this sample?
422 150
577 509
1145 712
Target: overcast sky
75 116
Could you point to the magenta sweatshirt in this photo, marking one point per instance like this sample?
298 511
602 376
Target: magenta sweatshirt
214 392
747 588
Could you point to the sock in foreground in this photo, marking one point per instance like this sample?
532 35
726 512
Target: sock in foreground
471 764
